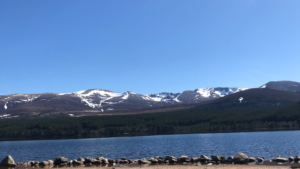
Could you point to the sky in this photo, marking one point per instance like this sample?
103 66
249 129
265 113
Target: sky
146 46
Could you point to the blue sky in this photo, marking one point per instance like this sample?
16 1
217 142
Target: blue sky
146 46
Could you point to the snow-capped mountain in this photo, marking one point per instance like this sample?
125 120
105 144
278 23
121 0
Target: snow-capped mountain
100 100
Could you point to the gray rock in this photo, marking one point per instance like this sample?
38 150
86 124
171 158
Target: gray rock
43 163
215 158
154 161
97 162
76 162
99 158
130 161
144 161
150 159
251 159
194 159
240 158
8 161
19 163
104 161
88 160
124 161
184 159
281 160
297 158
111 161
291 158
171 159
230 158
80 159
260 159
61 161
204 158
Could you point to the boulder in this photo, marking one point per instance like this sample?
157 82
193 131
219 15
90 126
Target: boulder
194 159
99 158
80 159
154 161
61 161
111 161
251 159
76 162
297 158
124 161
130 161
88 160
43 163
240 158
184 159
96 162
144 161
260 159
215 158
291 158
171 159
281 160
104 161
161 160
150 159
204 158
222 157
19 163
50 162
33 163
8 161
230 158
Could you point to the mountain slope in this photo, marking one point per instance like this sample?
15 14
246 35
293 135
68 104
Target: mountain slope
260 109
93 101
283 85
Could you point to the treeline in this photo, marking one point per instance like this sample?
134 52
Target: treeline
209 118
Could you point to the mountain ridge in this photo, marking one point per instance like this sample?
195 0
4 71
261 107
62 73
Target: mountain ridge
101 100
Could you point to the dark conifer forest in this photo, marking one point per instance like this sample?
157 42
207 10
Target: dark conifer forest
255 115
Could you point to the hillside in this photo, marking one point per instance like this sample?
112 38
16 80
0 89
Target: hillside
259 109
283 85
99 101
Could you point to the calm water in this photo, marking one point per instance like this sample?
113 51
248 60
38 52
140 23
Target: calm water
284 143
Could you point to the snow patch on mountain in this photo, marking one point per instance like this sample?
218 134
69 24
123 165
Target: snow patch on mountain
218 91
125 95
164 97
241 99
5 107
86 97
263 86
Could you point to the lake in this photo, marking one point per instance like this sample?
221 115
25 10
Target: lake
254 144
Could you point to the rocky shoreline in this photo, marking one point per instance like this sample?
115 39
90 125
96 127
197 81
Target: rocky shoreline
239 158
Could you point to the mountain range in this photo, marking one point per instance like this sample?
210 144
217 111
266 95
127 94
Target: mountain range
100 101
